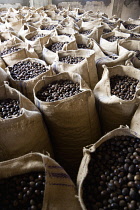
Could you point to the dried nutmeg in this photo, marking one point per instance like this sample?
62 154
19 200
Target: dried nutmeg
114 38
82 46
57 46
37 36
138 54
111 167
24 191
71 60
112 56
50 27
69 35
10 50
86 32
105 31
9 108
123 87
58 90
136 36
25 70
130 26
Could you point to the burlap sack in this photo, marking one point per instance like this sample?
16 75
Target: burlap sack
83 170
3 27
64 30
25 133
121 57
132 45
3 11
60 191
111 22
106 27
72 122
26 86
2 64
97 14
70 22
48 23
58 17
130 21
86 68
91 24
24 51
5 36
96 33
48 55
15 25
50 13
3 76
35 24
34 17
87 18
50 7
135 122
79 12
135 36
8 38
90 43
38 43
12 11
114 111
112 46
25 29
81 39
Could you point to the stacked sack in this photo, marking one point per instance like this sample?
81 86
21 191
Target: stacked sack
66 78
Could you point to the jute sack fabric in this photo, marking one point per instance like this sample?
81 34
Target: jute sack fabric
38 43
135 36
34 17
71 23
86 68
25 29
81 39
6 36
111 22
64 30
90 43
3 11
26 86
58 17
135 122
3 76
50 7
92 23
106 26
96 30
83 170
9 38
24 51
97 14
72 122
132 45
47 23
112 46
25 133
79 12
60 191
2 64
114 111
49 56
130 21
15 25
121 57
